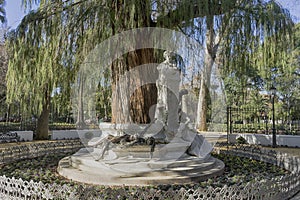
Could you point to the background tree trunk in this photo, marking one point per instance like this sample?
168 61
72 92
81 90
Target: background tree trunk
43 120
80 124
202 107
210 57
7 114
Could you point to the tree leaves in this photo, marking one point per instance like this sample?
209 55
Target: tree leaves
51 42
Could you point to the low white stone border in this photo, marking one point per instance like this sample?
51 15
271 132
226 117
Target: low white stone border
75 134
25 135
266 140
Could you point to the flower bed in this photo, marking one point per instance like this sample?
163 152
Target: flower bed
37 169
237 171
36 177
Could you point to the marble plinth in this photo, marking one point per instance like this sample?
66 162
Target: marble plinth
138 170
171 161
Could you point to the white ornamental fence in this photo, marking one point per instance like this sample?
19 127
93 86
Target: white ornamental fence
276 188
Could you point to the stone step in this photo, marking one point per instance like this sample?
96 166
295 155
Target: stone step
189 170
105 175
167 151
138 166
180 178
112 178
183 161
160 163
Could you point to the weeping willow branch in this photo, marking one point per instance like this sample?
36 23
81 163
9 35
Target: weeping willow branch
187 10
51 42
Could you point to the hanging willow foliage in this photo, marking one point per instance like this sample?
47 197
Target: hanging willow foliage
262 41
51 42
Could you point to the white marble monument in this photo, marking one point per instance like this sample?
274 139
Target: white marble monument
168 150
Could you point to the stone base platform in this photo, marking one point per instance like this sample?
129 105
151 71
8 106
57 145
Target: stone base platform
130 170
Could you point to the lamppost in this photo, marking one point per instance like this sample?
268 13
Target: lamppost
273 92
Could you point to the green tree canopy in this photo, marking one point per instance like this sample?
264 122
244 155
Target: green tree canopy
51 42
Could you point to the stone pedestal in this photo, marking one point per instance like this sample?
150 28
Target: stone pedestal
170 163
137 169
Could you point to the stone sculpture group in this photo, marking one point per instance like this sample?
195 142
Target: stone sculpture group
168 150
170 125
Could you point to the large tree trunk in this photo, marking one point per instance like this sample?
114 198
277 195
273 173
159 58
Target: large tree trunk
133 92
131 104
43 120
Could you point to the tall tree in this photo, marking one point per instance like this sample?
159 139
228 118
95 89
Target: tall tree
66 30
234 36
36 67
